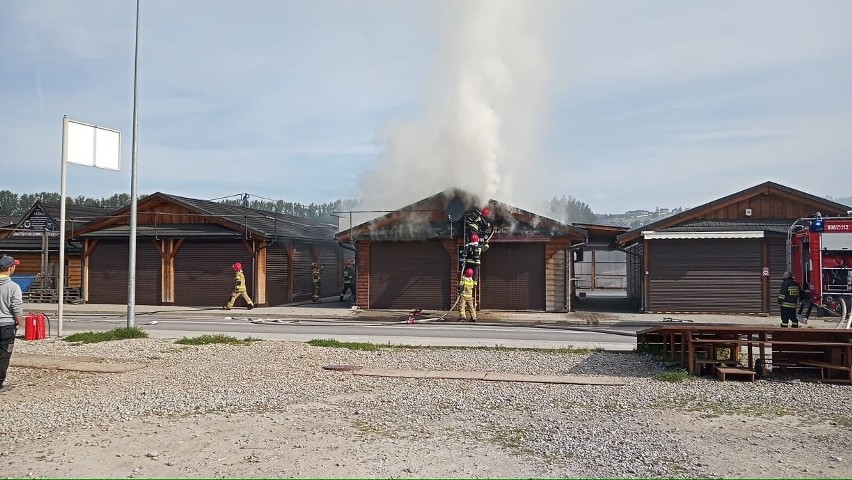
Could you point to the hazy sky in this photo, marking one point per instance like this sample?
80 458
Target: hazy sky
622 104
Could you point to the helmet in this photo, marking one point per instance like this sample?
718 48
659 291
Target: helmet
474 238
468 273
314 264
486 212
237 266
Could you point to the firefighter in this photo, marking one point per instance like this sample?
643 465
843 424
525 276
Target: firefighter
348 279
316 277
239 287
787 298
466 287
472 253
477 222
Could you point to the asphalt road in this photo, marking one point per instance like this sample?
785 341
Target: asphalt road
436 334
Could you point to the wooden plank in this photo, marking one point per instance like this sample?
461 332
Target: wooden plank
490 376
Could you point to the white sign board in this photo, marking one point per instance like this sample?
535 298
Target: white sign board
93 146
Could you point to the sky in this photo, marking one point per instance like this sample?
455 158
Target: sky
621 104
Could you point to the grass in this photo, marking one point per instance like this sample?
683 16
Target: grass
678 375
123 333
217 338
372 347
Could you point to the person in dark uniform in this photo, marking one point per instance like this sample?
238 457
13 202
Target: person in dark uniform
316 277
787 299
348 280
472 255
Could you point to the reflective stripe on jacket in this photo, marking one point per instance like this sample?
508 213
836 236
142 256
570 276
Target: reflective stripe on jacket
789 294
466 286
239 282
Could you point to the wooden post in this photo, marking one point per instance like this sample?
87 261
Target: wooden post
290 251
260 274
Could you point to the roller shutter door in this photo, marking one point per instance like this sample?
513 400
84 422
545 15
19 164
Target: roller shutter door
108 273
331 281
777 267
302 272
408 275
276 276
203 273
712 275
512 277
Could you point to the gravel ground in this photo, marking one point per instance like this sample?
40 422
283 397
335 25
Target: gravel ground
270 410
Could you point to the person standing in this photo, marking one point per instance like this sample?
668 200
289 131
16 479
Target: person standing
466 287
787 298
239 287
11 314
316 278
348 279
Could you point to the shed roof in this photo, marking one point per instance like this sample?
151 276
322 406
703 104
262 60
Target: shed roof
766 188
235 218
428 218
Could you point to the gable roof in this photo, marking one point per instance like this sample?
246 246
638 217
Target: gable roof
248 221
432 221
766 188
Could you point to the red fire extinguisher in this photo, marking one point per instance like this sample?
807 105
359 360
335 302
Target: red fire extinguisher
34 327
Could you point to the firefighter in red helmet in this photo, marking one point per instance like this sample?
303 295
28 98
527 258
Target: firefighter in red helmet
239 287
472 253
478 222
466 287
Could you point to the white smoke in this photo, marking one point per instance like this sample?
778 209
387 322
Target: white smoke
480 129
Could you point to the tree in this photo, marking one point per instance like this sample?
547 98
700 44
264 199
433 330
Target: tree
570 210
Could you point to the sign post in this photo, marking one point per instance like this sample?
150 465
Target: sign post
88 145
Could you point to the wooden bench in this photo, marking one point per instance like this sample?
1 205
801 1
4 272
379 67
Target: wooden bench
700 363
825 370
723 372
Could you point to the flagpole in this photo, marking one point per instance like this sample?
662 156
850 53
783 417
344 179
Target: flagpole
60 277
131 264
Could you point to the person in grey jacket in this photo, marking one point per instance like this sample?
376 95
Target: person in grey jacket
11 314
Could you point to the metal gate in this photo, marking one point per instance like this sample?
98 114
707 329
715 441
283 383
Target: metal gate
108 273
707 275
203 273
277 282
512 277
409 275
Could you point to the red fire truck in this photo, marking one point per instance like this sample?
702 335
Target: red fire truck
819 255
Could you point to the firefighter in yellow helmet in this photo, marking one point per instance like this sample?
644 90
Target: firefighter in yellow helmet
239 287
466 287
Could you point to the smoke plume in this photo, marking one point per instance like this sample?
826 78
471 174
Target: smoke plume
480 126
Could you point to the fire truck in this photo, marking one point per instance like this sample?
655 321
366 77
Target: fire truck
819 256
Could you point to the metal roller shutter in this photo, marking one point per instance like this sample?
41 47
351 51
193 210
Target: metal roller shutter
409 275
108 273
276 276
777 267
203 273
512 277
713 275
302 272
331 281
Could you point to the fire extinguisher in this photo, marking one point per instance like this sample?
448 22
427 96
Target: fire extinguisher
34 327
